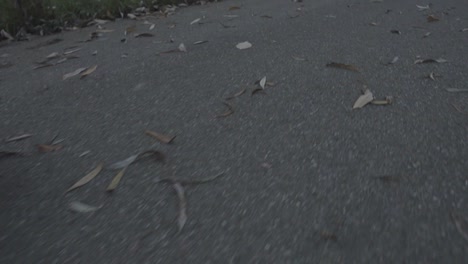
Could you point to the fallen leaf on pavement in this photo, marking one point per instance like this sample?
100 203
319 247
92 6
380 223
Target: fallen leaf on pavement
116 180
241 92
80 207
166 139
74 73
364 99
53 55
17 138
422 61
88 71
432 18
126 162
343 66
455 90
182 216
263 82
387 101
195 21
152 26
244 45
394 31
229 112
200 42
48 148
394 60
140 35
373 24
71 51
87 178
6 154
464 29
182 47
462 225
422 8
432 76
427 34
234 8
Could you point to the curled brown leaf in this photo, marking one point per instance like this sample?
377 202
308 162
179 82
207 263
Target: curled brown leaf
166 139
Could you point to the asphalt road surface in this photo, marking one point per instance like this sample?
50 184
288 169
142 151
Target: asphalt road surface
306 178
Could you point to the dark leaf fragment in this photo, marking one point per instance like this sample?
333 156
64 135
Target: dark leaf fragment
348 67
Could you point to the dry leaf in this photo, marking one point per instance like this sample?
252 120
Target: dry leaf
432 76
244 45
395 59
422 61
455 90
48 148
88 71
182 216
229 112
462 225
86 178
200 42
17 138
394 31
343 66
432 18
234 8
387 101
152 26
464 29
131 16
427 34
422 8
373 24
53 55
364 99
236 94
263 82
182 47
71 51
195 21
140 35
6 154
126 162
166 139
115 182
82 208
74 73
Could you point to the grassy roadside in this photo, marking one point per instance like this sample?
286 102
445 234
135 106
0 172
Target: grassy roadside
50 16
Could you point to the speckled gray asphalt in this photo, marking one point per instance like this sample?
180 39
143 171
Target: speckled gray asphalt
307 179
